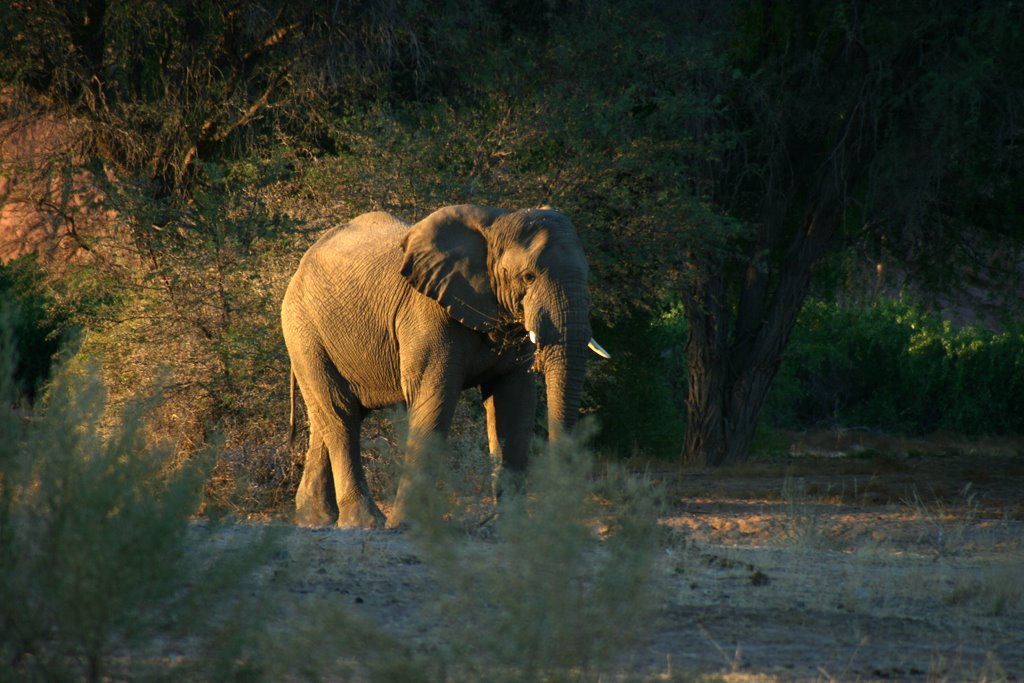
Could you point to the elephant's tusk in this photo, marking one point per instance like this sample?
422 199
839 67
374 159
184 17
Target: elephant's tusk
598 349
533 336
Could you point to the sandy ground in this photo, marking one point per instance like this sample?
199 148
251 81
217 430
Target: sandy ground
783 580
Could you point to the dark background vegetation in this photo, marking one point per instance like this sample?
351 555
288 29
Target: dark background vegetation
771 195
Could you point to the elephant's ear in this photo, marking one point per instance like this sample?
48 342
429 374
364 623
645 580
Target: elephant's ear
446 259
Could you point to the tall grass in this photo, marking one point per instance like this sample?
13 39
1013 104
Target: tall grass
805 524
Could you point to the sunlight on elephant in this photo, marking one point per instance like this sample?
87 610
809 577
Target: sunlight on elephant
380 312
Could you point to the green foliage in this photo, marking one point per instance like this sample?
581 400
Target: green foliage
639 395
894 367
889 367
37 322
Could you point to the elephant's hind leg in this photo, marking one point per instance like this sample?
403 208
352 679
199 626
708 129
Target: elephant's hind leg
315 502
335 415
355 504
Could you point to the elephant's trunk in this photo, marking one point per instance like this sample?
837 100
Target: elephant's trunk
564 368
564 362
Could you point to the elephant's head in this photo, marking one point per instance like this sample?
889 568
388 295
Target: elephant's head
491 268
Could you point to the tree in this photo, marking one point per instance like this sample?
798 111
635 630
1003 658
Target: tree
724 155
156 87
861 118
175 116
721 155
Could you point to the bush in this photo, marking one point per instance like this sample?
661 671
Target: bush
563 586
95 522
639 396
894 367
199 302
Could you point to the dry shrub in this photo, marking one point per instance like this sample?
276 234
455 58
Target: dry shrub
97 544
559 586
806 523
994 589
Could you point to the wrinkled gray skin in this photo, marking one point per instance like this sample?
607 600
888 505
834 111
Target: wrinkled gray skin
380 313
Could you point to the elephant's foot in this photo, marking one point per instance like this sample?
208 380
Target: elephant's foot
315 503
360 513
398 523
508 483
311 512
399 517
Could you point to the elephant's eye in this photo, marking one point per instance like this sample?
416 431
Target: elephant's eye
528 276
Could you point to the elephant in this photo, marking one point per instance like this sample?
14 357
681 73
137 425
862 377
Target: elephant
380 312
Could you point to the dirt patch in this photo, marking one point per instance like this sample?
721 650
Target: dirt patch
839 596
779 584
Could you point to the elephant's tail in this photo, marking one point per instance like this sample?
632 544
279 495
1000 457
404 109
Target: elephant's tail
291 418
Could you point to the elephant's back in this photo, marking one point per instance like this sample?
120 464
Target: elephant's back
359 261
365 235
356 254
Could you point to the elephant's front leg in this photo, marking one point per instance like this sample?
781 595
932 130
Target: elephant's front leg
430 418
511 404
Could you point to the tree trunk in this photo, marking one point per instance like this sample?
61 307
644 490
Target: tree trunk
705 403
733 354
724 407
